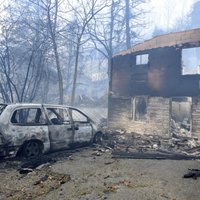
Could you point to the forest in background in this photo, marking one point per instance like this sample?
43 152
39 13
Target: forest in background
60 51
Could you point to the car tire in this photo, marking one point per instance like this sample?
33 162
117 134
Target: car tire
32 149
98 138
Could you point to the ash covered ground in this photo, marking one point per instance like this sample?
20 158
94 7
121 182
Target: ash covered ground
93 173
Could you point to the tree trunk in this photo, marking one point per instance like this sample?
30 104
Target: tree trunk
8 73
60 78
26 78
127 19
75 73
55 49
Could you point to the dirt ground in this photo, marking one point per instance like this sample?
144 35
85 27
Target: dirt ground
91 173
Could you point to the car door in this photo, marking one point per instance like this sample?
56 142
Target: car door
60 128
26 123
82 126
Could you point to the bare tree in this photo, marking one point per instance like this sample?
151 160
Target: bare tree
22 50
102 31
132 19
52 23
83 13
119 29
127 19
44 43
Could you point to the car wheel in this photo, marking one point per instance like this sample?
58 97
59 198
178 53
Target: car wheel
98 138
32 149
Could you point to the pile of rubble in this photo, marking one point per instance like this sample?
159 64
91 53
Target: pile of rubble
182 137
176 145
180 128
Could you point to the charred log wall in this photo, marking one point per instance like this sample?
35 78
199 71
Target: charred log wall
161 76
121 78
119 112
122 112
196 116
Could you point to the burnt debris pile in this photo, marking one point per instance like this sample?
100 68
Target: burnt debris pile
134 145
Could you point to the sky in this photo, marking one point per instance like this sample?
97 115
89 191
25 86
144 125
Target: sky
164 13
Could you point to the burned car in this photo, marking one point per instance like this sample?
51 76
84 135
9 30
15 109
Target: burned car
33 129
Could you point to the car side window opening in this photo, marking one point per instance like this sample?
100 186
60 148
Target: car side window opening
58 116
28 116
78 116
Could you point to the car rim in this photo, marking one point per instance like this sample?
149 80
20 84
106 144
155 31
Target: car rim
32 149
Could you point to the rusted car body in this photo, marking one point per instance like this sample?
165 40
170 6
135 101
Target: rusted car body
32 129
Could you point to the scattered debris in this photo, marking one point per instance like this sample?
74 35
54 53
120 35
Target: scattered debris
152 155
64 178
35 163
181 128
193 173
96 153
111 188
25 170
109 163
43 179
186 124
178 145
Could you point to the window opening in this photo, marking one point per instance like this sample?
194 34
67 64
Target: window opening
28 116
78 116
142 59
58 116
139 108
181 116
191 61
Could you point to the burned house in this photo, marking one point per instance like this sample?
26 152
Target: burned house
157 82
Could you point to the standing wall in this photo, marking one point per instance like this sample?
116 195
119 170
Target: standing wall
196 117
121 116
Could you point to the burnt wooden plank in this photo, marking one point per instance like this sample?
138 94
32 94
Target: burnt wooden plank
152 155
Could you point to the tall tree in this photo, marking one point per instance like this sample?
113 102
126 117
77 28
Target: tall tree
133 15
52 23
83 12
127 19
22 54
102 31
119 28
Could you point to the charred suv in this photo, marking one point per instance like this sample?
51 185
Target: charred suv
33 129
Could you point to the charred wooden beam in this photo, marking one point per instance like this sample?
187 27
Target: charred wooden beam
152 155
